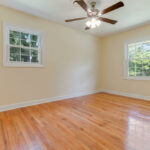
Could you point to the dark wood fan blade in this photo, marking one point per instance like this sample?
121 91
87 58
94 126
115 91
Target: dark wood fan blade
108 20
113 7
87 28
75 19
82 4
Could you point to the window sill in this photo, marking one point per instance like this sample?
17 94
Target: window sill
23 65
137 78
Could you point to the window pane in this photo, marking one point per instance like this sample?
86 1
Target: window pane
139 74
146 54
34 38
25 58
34 59
25 43
14 34
132 63
131 71
139 63
146 67
14 41
25 55
14 57
131 51
34 44
25 52
146 50
34 56
14 50
139 51
146 71
34 52
25 36
14 54
139 71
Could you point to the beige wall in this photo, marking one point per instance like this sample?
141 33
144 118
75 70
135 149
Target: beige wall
113 63
72 62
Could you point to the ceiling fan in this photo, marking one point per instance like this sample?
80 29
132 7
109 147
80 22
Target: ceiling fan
94 15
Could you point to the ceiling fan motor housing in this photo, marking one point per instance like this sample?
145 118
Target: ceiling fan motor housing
93 12
93 4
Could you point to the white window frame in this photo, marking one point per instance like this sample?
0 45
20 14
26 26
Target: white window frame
126 62
6 62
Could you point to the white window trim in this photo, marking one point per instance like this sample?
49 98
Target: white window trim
6 61
126 76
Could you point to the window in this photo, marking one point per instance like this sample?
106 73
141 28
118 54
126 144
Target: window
22 47
137 61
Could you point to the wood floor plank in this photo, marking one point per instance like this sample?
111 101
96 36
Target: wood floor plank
94 122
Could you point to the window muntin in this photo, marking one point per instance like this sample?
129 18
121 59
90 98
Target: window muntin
22 47
138 59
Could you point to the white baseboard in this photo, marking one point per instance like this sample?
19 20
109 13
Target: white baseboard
41 101
127 94
82 93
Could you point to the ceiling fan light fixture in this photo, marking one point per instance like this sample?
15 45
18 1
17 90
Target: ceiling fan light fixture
88 23
93 26
99 14
93 23
98 22
95 15
89 10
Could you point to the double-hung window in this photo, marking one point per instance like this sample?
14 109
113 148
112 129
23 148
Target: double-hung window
137 59
22 47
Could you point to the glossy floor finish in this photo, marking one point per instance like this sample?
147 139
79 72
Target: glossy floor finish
94 122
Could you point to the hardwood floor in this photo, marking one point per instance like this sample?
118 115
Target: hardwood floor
94 122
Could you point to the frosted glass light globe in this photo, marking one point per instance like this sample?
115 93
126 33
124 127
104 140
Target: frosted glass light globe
93 23
88 23
98 22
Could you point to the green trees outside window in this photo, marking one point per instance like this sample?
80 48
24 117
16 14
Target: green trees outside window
23 47
139 59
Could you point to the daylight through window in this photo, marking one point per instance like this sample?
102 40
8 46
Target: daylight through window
139 59
23 47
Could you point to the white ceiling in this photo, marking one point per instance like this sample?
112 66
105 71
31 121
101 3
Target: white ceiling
135 13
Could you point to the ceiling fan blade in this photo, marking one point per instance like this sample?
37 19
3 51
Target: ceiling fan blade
108 20
75 19
82 4
87 28
113 7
